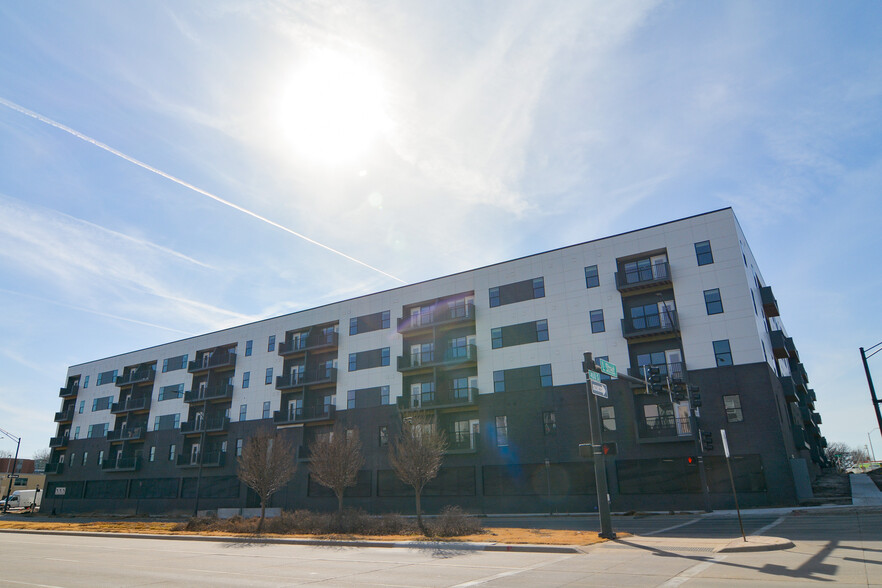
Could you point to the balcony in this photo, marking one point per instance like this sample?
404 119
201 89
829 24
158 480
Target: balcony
822 442
305 414
123 463
70 391
805 414
653 325
213 361
53 467
57 442
309 343
324 375
127 434
427 359
462 441
666 428
799 438
770 305
65 416
790 392
438 316
205 425
676 371
138 376
816 418
217 393
446 399
210 459
131 404
791 348
779 344
644 278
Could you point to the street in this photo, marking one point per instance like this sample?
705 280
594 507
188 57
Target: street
842 546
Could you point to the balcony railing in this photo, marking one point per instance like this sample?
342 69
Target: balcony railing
791 348
209 393
779 345
207 425
209 459
64 415
301 414
216 360
131 404
322 375
69 391
447 398
789 387
60 441
137 376
644 277
424 359
770 304
462 441
664 426
53 467
310 343
663 323
127 434
123 463
674 371
442 315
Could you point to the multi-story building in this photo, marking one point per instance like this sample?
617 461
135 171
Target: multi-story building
495 354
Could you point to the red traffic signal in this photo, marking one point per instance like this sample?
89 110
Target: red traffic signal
691 460
608 449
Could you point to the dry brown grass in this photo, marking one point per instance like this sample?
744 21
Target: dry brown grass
491 535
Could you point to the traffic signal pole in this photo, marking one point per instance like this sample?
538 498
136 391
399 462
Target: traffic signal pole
876 401
606 531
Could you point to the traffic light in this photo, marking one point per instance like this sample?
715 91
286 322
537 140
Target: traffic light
678 390
654 378
587 362
608 449
696 400
707 440
691 460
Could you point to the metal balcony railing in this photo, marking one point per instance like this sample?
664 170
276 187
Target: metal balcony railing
137 376
131 404
127 434
53 467
443 314
207 425
664 426
644 277
674 371
208 458
423 359
649 325
209 393
320 375
311 342
216 360
64 415
319 412
69 391
443 399
462 441
60 441
123 463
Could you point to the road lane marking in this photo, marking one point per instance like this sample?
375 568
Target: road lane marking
480 581
59 559
671 528
690 573
774 523
32 584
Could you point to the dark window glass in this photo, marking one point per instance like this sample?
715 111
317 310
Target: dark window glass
170 392
167 422
549 422
353 326
369 322
246 379
713 302
539 288
271 343
723 353
494 297
384 356
733 408
383 435
269 376
353 362
608 418
703 253
499 381
106 377
174 363
592 278
597 325
517 292
368 359
542 330
496 338
248 346
545 375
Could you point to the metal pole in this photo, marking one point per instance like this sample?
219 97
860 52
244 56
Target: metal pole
872 453
872 389
606 531
11 473
548 484
735 495
702 474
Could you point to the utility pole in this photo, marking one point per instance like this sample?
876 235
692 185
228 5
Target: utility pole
12 471
594 424
876 401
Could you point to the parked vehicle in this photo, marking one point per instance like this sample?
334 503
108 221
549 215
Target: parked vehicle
25 499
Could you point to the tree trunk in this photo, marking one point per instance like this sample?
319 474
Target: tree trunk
340 502
262 515
419 514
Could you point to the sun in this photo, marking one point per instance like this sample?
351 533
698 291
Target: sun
332 109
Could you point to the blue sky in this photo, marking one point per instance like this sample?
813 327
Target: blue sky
157 177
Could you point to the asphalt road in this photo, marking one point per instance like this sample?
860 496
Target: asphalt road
844 547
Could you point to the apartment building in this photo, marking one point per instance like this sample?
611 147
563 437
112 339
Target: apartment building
495 355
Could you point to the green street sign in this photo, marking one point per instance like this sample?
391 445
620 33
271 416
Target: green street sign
593 376
608 368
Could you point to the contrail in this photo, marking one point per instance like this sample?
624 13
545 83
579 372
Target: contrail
159 172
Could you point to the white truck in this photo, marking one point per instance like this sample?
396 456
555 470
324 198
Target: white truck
25 499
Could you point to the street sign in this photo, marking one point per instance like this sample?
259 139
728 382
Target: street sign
11 475
608 368
725 442
60 491
593 376
599 389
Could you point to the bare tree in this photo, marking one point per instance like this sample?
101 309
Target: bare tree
335 460
41 458
844 457
5 454
416 455
267 463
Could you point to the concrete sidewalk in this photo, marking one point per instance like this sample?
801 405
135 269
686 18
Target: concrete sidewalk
864 491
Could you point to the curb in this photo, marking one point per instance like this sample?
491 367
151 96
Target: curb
755 543
435 545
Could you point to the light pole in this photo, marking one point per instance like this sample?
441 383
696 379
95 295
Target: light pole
14 464
876 401
872 453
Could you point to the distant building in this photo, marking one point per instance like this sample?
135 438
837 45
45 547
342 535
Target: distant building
27 478
495 353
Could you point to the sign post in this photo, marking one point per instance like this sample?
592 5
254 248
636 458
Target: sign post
606 530
732 480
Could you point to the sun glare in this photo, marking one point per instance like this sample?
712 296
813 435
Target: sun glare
332 110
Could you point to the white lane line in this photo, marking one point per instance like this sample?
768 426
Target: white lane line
774 523
6 581
59 559
690 573
480 581
666 529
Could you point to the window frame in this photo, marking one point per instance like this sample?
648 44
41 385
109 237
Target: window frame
597 326
720 355
549 423
269 376
592 276
502 439
734 413
271 343
249 347
704 257
713 301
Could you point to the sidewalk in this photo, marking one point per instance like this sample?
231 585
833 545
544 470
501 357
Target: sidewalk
864 491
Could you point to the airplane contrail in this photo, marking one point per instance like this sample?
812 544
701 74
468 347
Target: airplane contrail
159 172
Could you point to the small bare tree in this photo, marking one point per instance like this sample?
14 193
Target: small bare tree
335 460
416 455
267 463
41 458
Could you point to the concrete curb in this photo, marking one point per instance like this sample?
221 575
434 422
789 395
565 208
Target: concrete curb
434 545
755 543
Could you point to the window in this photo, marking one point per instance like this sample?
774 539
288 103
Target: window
86 382
549 422
732 403
608 418
517 292
369 322
243 411
73 459
350 399
167 422
368 359
539 288
501 431
499 381
545 375
703 253
353 362
592 278
542 330
494 297
597 325
713 302
102 403
271 343
384 356
171 364
106 377
97 430
266 409
723 352
246 379
519 334
248 346
85 457
384 394
24 481
171 452
170 392
100 457
238 447
269 376
383 435
153 453
77 432
82 406
520 379
496 338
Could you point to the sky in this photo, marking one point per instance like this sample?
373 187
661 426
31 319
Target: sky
172 168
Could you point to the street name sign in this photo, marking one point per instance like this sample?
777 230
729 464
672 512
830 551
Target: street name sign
593 376
599 389
608 368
